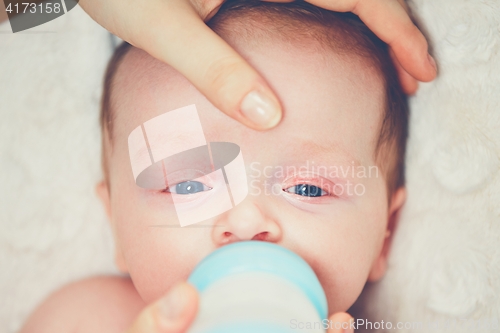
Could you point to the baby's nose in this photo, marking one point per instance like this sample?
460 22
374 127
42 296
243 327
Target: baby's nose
245 222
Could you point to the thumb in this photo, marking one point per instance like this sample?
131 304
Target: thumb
341 322
172 313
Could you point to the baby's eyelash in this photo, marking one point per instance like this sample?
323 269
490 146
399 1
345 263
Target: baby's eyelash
310 186
307 190
187 187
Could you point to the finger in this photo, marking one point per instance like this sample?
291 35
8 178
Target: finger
341 322
392 24
171 314
408 82
176 35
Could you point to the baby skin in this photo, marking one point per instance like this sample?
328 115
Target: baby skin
333 109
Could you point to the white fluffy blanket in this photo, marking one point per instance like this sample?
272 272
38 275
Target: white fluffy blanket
52 228
445 261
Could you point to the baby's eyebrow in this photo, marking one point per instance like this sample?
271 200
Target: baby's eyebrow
335 151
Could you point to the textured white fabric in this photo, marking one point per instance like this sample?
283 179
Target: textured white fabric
52 228
445 259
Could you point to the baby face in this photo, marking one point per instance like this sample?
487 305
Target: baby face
314 185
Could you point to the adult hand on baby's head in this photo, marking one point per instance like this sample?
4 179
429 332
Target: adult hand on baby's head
174 31
171 314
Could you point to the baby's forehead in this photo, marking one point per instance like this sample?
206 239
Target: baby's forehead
326 100
305 57
301 74
141 85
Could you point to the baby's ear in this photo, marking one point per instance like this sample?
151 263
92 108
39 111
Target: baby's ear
380 264
103 194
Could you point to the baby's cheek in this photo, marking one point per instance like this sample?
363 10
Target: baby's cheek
352 247
361 248
344 274
158 256
154 273
373 217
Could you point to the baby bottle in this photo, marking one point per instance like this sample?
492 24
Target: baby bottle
257 287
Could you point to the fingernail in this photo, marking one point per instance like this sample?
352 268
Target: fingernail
260 109
174 304
432 61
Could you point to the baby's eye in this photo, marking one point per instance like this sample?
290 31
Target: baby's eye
188 187
307 190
